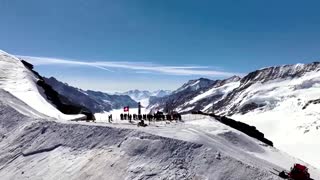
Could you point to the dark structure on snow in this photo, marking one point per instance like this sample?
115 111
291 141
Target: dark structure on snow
240 126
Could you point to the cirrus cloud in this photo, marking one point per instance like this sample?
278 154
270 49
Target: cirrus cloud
137 67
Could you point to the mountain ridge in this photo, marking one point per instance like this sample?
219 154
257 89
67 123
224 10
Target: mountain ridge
280 101
19 79
96 101
144 96
261 75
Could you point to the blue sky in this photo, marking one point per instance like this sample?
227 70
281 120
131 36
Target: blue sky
124 44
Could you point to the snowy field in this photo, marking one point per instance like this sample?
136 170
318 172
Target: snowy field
288 132
292 129
199 147
205 130
40 149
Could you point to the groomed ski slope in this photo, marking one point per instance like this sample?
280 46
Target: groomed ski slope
21 83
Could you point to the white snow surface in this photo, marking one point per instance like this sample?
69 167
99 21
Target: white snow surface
282 119
208 131
42 149
32 146
225 89
21 83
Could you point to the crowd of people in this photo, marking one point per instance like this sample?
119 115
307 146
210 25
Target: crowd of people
159 116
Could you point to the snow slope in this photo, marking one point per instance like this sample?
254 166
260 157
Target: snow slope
221 138
196 95
20 106
21 83
278 108
283 119
283 102
215 91
42 149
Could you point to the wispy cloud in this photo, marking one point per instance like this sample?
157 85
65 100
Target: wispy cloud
138 67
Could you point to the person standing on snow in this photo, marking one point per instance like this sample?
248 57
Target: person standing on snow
110 118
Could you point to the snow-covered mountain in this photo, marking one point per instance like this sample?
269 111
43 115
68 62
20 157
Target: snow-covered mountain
94 100
280 101
36 144
160 93
199 148
144 96
195 95
283 82
18 78
194 85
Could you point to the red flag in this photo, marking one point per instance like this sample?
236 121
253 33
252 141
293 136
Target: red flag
126 109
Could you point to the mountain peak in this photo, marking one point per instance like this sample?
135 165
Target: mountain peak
280 72
233 78
195 84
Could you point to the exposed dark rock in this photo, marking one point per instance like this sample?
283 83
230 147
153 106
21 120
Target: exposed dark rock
95 101
262 76
280 72
243 127
315 101
249 107
62 103
188 91
195 85
116 101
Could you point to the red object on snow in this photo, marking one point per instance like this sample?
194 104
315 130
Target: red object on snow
299 172
126 109
300 167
